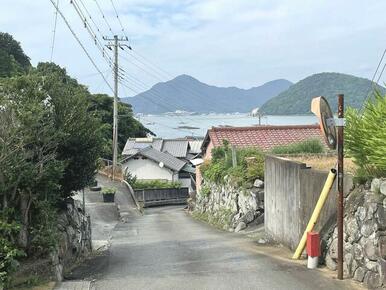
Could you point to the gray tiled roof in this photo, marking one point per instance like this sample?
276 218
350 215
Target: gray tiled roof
177 148
132 146
164 157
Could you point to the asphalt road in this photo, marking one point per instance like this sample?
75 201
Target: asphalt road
168 249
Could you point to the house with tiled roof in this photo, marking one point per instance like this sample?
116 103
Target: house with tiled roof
182 148
263 137
151 164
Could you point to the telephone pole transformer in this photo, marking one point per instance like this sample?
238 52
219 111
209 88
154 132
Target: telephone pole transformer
114 44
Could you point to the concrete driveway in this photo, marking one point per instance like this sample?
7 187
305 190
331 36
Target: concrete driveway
167 249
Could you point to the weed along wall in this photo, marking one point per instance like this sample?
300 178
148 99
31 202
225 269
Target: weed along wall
291 193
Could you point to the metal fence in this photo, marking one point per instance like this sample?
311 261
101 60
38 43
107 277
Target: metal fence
164 196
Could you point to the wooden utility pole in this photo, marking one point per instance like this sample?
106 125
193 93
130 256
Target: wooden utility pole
114 43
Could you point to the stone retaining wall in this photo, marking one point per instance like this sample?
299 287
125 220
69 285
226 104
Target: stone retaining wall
364 236
74 238
232 207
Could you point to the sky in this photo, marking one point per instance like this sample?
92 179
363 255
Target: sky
242 43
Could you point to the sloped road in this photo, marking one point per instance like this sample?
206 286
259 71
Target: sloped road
167 249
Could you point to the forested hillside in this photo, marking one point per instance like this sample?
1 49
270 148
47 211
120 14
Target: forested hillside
297 99
189 94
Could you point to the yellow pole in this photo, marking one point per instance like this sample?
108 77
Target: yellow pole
315 215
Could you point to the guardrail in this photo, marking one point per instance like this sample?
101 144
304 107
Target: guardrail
131 191
164 196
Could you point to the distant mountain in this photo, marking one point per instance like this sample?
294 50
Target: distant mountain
185 93
297 99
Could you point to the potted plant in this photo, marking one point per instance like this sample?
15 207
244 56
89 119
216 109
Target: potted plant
108 194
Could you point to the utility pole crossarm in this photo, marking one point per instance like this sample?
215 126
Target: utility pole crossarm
114 44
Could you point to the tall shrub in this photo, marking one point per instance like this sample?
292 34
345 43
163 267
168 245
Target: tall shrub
365 138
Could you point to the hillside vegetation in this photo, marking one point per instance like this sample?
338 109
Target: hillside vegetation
297 99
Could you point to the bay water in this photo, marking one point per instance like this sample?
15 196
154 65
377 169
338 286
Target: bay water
175 126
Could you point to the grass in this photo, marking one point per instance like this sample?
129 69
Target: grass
308 146
324 163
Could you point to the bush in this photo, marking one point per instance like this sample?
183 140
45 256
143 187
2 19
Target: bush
250 165
308 146
109 190
365 138
155 184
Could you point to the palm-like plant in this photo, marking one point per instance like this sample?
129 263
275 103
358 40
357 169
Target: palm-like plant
365 138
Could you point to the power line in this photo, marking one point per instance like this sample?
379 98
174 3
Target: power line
54 31
185 90
103 16
91 18
380 75
119 20
80 43
91 32
379 63
372 79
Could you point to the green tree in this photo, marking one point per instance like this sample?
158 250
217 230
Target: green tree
30 170
128 126
81 142
13 61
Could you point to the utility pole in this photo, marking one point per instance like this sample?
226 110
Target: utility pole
340 129
114 43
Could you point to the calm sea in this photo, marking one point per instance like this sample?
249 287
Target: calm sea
176 126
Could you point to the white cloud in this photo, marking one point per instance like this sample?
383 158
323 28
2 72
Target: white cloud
223 42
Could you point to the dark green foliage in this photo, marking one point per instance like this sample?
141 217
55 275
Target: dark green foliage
13 61
9 252
297 99
44 230
49 147
155 184
250 166
308 146
128 126
365 138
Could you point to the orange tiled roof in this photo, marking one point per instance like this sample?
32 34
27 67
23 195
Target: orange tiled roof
263 137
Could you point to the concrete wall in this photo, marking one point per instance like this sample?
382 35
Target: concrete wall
186 182
147 169
208 152
291 192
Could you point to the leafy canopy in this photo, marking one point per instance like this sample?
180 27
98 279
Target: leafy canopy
13 61
128 126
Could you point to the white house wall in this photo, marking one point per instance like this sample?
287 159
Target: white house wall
147 169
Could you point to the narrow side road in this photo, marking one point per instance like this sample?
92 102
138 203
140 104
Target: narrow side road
167 249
